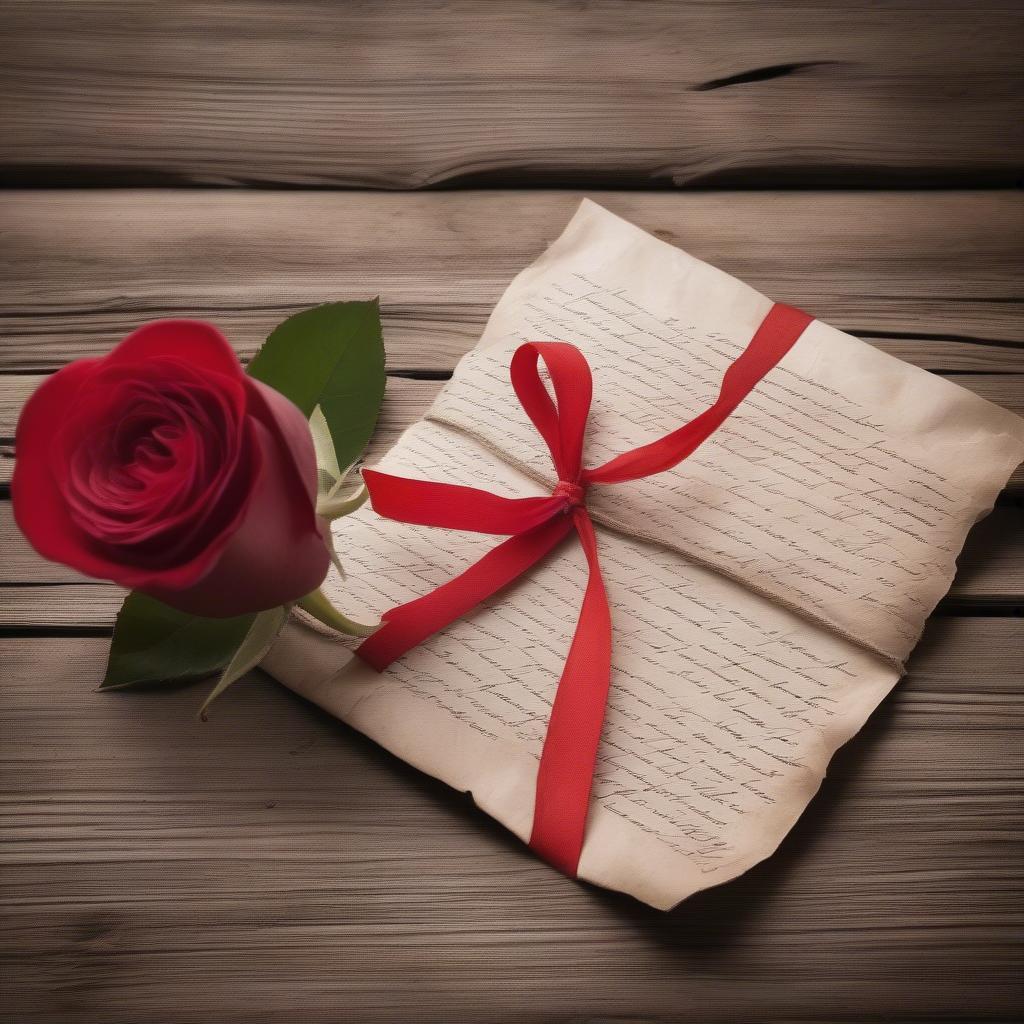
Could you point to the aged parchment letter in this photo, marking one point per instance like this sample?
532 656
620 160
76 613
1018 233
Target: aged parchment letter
764 593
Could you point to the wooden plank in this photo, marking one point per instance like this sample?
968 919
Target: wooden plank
410 94
407 400
930 275
991 566
36 594
272 865
54 608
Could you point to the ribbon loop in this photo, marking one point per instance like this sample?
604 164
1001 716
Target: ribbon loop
563 427
536 525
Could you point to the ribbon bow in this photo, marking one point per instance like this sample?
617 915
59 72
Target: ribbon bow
535 526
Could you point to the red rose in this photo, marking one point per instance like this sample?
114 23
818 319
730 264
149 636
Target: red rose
164 468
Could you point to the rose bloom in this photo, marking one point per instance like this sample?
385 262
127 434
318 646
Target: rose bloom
166 469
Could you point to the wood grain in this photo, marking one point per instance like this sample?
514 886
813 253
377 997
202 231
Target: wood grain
271 865
412 94
932 277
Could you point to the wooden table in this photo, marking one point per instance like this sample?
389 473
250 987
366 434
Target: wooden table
227 161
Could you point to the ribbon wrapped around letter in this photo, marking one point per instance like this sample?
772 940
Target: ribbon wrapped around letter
534 526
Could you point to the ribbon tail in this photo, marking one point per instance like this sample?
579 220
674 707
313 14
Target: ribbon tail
455 507
410 624
569 755
777 334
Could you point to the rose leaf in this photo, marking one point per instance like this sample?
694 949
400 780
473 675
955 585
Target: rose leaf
331 356
154 643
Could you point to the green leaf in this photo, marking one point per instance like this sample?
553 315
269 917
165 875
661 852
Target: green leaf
331 356
262 633
157 644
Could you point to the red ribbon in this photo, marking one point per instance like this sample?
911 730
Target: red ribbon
536 525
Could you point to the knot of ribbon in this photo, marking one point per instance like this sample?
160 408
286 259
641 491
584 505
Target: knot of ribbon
534 526
572 492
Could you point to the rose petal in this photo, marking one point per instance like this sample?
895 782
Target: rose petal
277 555
40 503
39 506
291 427
185 511
248 541
198 344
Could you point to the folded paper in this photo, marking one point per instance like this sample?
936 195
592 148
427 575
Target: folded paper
569 753
763 593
